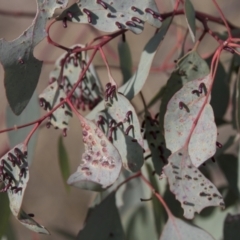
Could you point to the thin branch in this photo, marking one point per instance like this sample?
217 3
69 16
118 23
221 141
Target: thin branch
17 14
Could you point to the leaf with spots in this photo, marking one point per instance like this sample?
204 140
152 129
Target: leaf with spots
103 228
134 85
120 122
49 99
156 143
189 121
101 162
112 15
177 229
89 91
190 18
189 185
22 69
189 67
15 175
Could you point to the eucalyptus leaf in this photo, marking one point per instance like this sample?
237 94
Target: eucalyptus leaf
63 161
15 175
22 69
125 59
101 162
189 185
190 18
103 222
134 85
189 120
112 15
177 229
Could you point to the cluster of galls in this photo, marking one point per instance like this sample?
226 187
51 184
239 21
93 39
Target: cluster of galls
6 170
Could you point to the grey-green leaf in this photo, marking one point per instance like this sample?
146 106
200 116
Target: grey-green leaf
134 85
103 222
125 59
177 229
22 69
113 15
190 18
231 228
63 161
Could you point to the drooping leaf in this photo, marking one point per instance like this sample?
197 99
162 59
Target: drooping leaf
89 91
189 120
63 161
190 18
5 214
189 185
22 69
188 68
237 105
101 161
229 166
124 131
125 59
112 15
156 143
103 222
50 98
30 113
15 175
220 92
134 85
232 227
178 230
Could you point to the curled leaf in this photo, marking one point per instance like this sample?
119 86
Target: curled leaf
110 16
15 175
101 161
189 185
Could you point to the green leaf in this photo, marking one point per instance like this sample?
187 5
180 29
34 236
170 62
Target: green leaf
22 69
111 15
63 161
238 101
191 123
218 101
189 185
177 229
14 165
103 222
101 162
229 166
231 228
5 214
134 85
190 18
30 113
188 68
125 59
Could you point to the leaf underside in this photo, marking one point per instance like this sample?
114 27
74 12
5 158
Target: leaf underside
22 69
101 161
